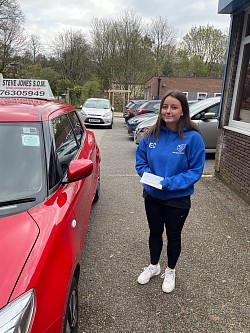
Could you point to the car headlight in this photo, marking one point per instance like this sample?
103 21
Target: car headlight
107 114
142 130
83 114
17 315
135 121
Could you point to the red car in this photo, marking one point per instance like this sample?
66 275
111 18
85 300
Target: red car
49 176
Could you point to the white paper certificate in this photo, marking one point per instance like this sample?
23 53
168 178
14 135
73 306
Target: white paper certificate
152 180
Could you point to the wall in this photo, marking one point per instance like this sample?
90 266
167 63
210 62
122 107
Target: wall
232 163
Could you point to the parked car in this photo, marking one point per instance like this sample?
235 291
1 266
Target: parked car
149 106
97 112
193 101
204 113
131 108
50 176
133 101
142 127
133 122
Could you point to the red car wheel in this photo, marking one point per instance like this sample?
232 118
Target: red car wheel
71 317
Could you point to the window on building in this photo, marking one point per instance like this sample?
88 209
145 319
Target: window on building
248 26
201 95
240 112
186 93
217 94
242 106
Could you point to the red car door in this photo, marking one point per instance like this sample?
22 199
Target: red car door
72 141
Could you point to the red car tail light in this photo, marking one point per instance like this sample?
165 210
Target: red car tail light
130 111
142 111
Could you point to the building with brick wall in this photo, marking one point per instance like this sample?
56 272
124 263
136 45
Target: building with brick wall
194 87
232 163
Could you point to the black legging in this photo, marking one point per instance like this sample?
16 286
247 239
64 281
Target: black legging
173 218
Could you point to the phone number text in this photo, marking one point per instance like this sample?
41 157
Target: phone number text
22 93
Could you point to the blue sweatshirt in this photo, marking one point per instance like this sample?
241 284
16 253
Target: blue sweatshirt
179 161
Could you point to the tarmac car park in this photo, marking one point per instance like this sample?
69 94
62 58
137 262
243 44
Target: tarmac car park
50 167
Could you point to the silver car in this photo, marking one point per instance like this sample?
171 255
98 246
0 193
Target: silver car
204 113
97 112
142 127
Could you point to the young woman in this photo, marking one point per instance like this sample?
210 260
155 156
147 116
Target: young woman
174 150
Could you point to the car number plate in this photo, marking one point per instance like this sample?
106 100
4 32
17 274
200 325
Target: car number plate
94 120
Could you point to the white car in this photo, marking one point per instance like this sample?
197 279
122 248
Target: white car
97 112
204 113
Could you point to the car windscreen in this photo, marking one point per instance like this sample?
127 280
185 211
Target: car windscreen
97 104
143 105
149 104
21 168
198 106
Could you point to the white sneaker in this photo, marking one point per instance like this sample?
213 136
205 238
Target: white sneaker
149 272
169 280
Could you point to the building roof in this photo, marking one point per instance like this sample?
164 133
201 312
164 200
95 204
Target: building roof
232 6
188 84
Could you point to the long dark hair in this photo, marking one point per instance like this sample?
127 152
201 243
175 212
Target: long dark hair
184 122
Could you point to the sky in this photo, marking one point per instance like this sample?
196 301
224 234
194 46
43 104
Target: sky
47 18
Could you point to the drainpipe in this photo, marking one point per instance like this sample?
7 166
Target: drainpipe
221 131
158 90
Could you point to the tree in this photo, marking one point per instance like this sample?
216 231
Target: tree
39 72
63 86
91 88
209 44
11 34
72 54
103 49
34 45
131 55
163 38
184 65
122 53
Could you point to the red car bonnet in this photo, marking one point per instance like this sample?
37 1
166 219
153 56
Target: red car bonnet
18 234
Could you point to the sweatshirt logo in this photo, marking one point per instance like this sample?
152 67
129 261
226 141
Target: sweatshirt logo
180 149
152 145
